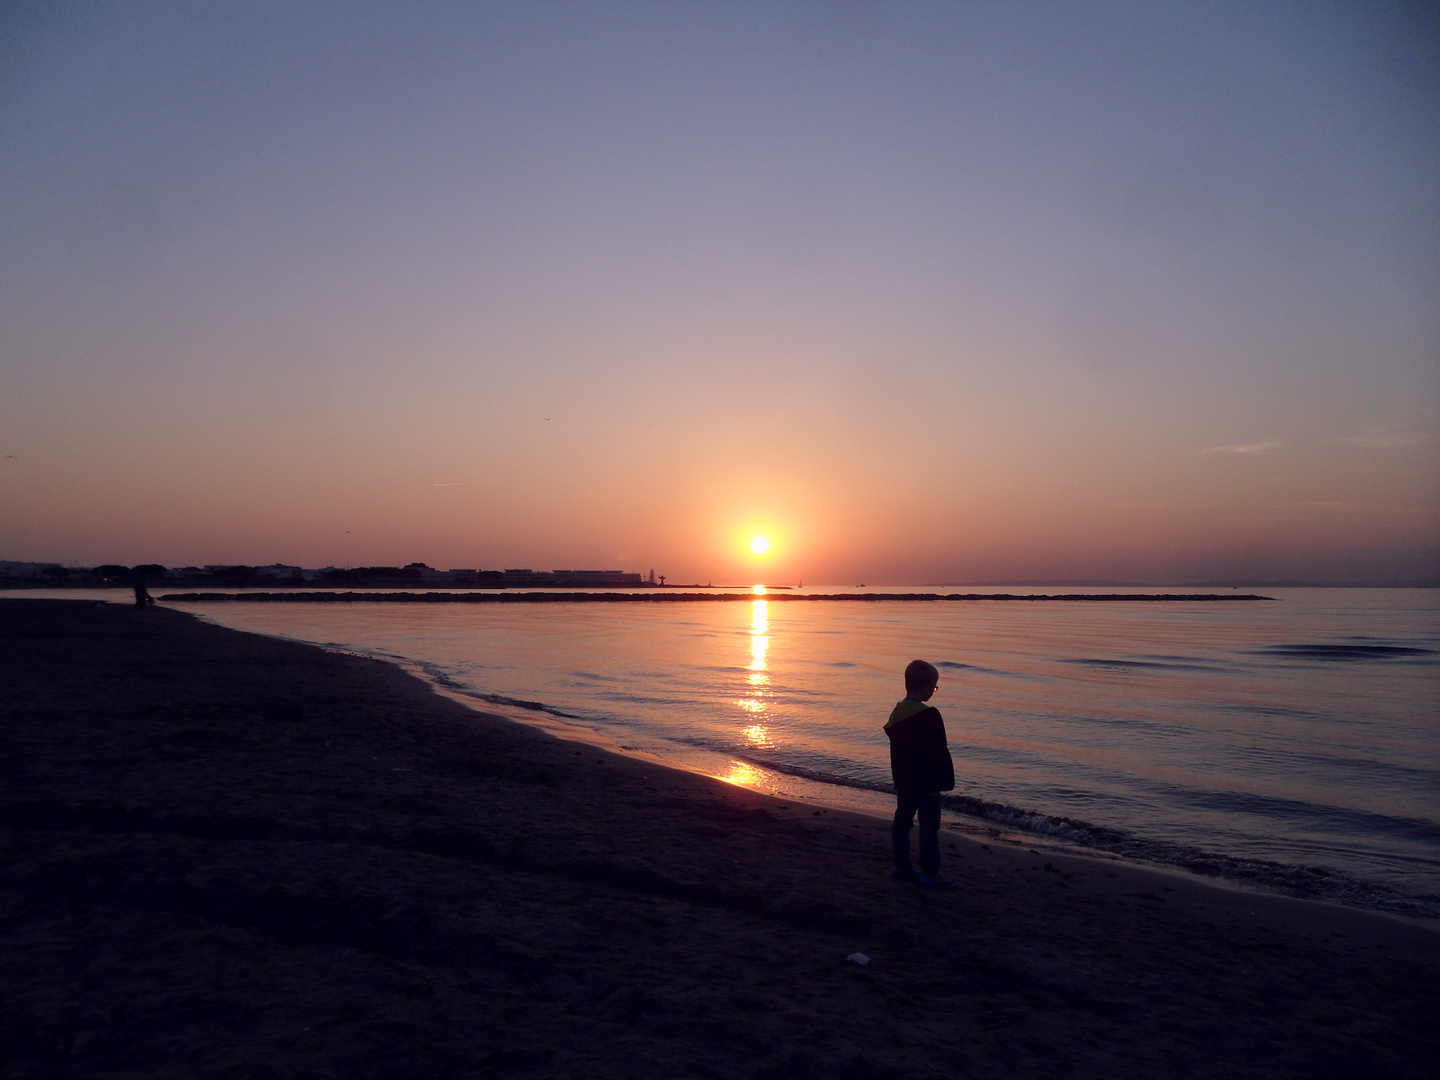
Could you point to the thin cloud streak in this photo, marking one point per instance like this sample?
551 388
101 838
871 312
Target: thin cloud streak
1244 448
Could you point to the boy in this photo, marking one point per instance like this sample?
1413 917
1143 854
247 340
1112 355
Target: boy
921 767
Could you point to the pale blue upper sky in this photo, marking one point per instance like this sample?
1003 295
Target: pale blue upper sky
1123 290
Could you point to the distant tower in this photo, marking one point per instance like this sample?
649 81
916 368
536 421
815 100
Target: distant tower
651 579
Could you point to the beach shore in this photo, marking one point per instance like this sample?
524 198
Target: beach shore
225 854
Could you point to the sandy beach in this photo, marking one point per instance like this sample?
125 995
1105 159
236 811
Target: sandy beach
229 855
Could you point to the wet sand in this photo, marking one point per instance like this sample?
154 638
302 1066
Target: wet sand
231 855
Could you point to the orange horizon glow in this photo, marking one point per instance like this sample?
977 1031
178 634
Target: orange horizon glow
853 327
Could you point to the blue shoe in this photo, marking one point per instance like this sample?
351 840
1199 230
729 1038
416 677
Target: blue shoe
928 882
903 875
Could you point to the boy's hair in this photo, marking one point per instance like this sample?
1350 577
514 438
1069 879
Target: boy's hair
919 674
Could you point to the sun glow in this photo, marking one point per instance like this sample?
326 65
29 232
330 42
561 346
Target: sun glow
760 545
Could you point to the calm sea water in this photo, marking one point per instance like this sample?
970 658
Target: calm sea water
1293 743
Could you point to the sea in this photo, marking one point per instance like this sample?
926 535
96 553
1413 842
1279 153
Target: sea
1290 743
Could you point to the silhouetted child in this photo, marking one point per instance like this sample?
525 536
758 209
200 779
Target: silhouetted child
921 767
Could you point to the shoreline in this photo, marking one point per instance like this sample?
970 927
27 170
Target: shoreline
1019 845
231 851
1056 836
999 821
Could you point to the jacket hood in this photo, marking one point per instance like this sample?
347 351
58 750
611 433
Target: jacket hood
904 710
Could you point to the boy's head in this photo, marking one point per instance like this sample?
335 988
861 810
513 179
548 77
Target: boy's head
920 676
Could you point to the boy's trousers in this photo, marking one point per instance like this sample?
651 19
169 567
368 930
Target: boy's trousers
906 804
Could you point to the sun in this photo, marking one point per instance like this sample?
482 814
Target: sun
760 545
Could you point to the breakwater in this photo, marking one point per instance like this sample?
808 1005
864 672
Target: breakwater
332 597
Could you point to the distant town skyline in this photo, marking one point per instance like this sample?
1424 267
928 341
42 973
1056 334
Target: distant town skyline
919 293
18 574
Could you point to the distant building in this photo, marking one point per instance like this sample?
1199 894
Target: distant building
595 577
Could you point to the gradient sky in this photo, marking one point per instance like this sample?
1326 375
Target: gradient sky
927 293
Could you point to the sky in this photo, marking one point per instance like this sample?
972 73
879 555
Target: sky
923 293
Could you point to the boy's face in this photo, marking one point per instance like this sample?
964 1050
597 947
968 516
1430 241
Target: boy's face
925 693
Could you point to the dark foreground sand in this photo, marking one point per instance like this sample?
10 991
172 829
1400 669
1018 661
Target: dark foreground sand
228 855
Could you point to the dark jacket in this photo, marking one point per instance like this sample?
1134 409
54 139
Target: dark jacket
919 756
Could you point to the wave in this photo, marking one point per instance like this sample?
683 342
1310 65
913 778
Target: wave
953 665
1309 882
1343 652
438 676
1150 664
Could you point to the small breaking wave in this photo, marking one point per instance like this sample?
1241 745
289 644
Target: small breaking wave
1309 882
954 665
439 677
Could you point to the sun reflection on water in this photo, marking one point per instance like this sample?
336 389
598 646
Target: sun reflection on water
759 735
759 640
744 775
758 645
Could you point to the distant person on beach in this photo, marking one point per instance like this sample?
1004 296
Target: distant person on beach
142 596
921 767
